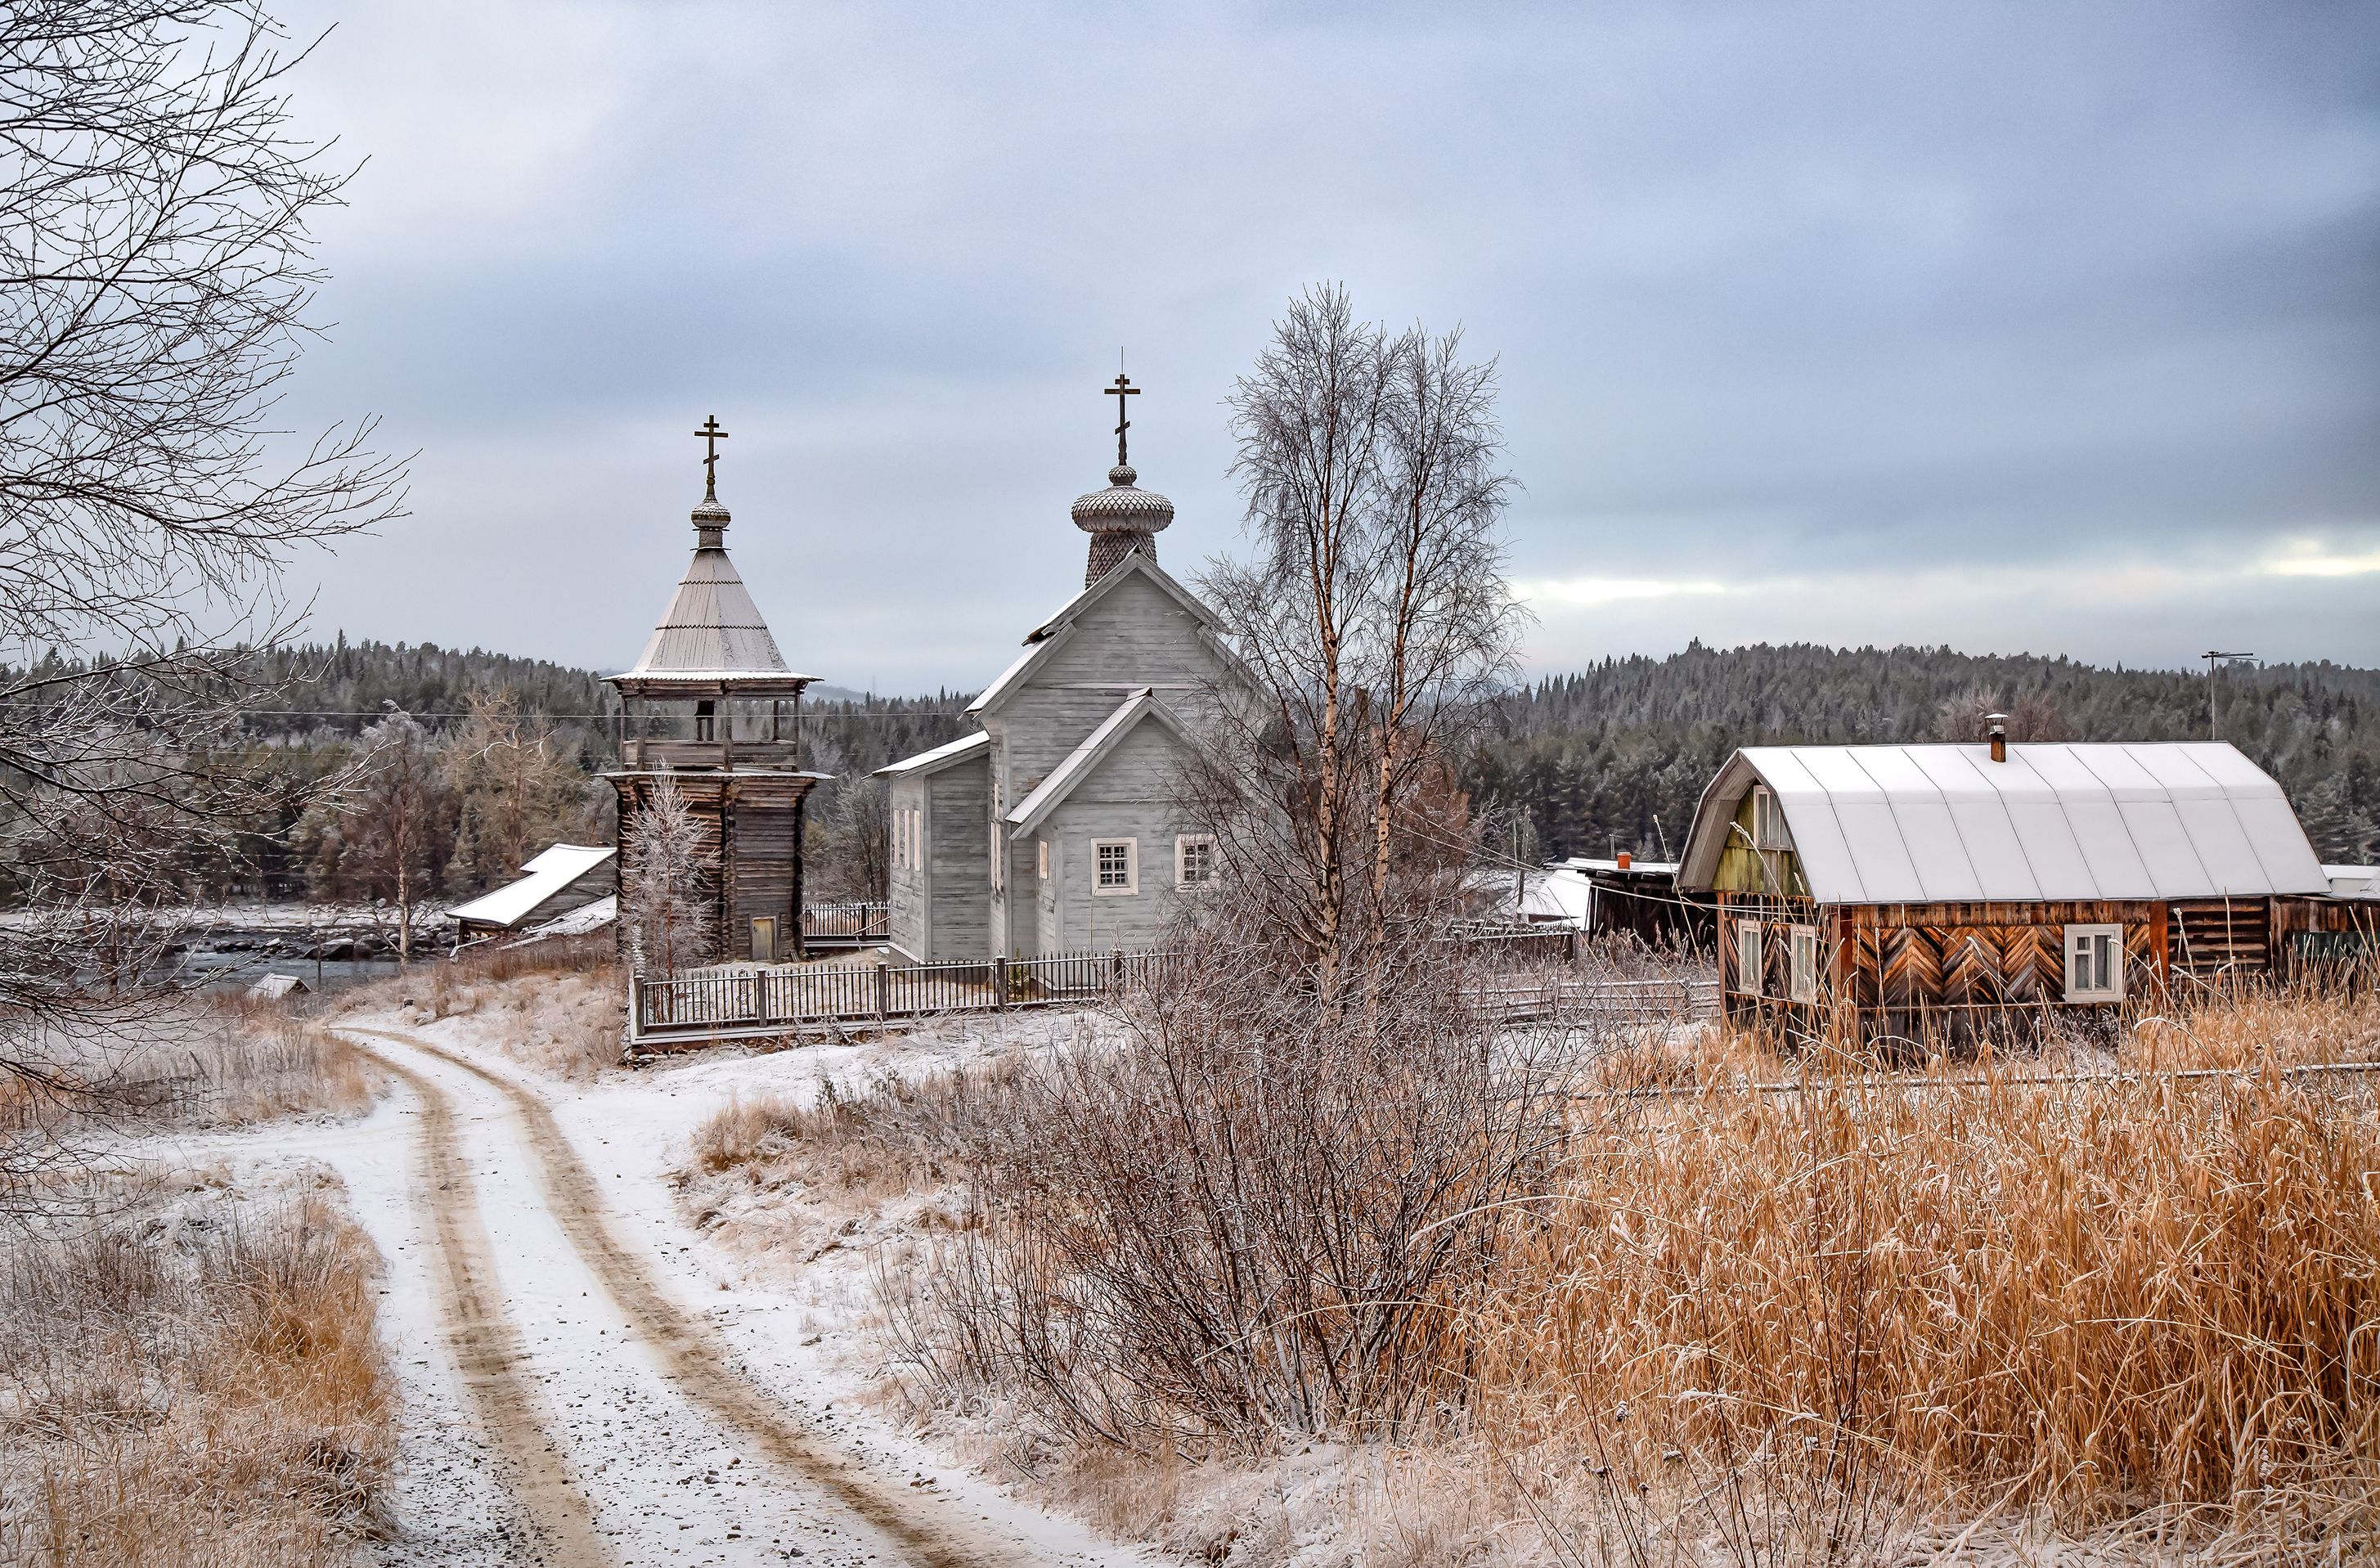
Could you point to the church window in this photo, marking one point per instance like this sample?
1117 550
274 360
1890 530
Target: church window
1194 860
1041 857
1118 863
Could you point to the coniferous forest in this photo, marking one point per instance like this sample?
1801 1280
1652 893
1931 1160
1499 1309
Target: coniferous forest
1611 757
1615 756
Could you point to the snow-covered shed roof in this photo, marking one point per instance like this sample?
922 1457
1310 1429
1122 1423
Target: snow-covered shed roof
1925 824
2353 882
549 873
940 756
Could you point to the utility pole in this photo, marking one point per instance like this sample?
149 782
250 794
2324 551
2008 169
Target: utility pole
1520 871
2213 657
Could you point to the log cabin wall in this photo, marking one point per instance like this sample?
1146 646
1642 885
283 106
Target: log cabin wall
752 824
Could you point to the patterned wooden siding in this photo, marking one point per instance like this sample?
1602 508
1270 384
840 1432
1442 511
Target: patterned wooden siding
1910 957
2223 937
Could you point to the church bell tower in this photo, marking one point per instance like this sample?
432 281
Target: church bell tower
712 707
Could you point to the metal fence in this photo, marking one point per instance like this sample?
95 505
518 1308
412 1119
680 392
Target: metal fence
725 1002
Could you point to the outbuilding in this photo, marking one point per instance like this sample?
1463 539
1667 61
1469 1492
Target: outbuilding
563 879
1940 893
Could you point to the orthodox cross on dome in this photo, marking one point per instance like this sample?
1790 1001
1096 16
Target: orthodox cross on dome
1120 391
711 436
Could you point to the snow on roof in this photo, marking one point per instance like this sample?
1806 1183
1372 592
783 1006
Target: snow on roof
549 873
1925 824
575 922
940 756
2353 882
274 987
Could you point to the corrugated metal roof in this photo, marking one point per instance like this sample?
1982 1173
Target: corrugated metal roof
549 873
711 629
1924 824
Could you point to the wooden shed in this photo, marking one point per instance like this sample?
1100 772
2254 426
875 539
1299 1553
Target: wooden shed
1941 893
556 881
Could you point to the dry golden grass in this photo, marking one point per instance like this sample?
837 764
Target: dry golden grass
205 1394
1811 1321
557 1006
261 1060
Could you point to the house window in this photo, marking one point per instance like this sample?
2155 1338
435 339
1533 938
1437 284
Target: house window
1747 957
1768 829
1194 860
1804 955
1041 857
1118 863
2094 963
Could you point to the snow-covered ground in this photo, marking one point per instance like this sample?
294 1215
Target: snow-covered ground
587 1378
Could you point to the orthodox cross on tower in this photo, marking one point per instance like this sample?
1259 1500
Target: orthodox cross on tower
711 436
1120 391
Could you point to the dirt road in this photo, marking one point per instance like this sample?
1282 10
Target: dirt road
624 1428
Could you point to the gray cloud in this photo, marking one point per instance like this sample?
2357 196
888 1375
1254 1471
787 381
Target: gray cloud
1858 322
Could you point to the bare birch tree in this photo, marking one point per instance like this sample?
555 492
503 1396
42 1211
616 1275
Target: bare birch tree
666 881
1374 614
156 270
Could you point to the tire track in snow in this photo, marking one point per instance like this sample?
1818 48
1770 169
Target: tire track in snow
929 1532
487 1345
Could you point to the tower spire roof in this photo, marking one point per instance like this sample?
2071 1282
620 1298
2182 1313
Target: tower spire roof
712 632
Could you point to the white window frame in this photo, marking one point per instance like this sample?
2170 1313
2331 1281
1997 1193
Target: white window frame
2095 955
1041 857
1131 847
1803 965
1183 844
1749 958
1769 829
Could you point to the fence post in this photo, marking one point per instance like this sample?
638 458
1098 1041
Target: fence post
883 990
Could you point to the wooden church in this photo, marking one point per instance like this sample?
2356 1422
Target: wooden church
712 707
1060 826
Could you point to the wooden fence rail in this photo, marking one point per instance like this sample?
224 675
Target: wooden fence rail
855 924
720 1003
729 1003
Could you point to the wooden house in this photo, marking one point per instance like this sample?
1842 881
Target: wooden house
558 881
1939 892
712 707
1060 826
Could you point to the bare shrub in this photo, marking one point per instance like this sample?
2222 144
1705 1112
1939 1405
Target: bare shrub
1257 1215
209 1391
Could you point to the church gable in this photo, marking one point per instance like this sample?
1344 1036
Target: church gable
1137 636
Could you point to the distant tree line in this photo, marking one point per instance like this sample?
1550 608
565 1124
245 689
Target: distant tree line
503 755
460 764
1617 755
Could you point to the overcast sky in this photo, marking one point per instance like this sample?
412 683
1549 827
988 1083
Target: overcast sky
2044 328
